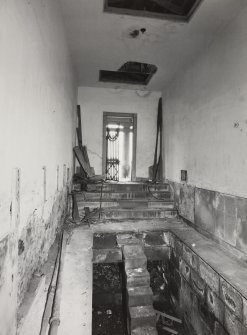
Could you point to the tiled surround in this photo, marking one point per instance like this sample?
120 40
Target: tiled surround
219 215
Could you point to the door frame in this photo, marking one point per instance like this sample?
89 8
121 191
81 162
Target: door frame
130 115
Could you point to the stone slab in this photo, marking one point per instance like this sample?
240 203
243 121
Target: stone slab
104 241
76 296
153 239
205 210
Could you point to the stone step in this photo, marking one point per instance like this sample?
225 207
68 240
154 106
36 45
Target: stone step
141 316
139 296
135 213
166 195
124 204
137 277
144 331
128 187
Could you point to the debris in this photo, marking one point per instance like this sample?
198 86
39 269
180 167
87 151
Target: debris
167 316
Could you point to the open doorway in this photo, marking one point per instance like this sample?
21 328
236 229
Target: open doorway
119 146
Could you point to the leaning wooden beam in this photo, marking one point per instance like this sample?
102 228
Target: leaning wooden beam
81 159
79 137
78 129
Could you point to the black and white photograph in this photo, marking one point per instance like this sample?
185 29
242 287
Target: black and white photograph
123 178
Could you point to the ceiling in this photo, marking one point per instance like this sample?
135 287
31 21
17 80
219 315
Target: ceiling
105 41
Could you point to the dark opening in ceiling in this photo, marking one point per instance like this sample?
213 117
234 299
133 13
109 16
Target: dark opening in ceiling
134 73
171 9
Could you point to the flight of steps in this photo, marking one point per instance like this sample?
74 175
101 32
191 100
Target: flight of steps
123 201
141 317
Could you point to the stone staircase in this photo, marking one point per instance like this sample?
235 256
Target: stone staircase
127 201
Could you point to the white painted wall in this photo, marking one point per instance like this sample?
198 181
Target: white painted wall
37 102
95 101
205 115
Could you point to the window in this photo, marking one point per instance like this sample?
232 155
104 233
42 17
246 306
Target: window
129 73
169 9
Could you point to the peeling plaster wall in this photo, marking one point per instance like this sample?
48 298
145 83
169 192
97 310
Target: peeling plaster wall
205 115
205 126
95 101
37 104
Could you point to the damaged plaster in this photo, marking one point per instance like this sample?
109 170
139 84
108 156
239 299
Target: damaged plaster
3 255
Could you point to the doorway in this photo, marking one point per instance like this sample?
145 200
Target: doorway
119 146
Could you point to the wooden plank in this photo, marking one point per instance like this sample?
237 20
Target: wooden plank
84 150
80 157
78 129
79 137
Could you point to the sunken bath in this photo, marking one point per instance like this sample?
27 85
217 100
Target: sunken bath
132 290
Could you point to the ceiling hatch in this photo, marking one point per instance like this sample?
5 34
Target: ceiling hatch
168 9
134 73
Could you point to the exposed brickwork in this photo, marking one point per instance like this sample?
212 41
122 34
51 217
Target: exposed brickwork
208 304
184 269
209 276
232 324
215 305
198 285
231 298
190 257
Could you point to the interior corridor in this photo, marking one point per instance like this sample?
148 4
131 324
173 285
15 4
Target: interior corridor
123 198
